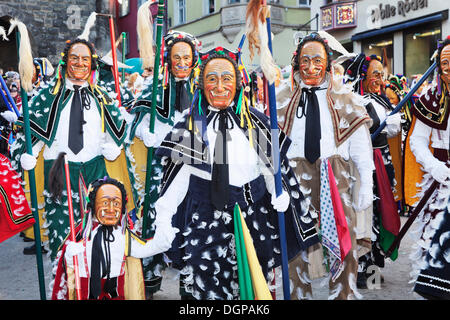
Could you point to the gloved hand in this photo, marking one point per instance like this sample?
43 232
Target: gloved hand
149 138
281 203
441 173
393 124
126 115
72 249
9 116
365 198
110 151
27 161
164 235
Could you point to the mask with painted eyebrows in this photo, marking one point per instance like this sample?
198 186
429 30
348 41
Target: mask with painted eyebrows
79 62
108 205
181 59
445 65
313 62
219 81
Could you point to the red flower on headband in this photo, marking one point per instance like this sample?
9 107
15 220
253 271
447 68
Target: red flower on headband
204 57
219 49
232 55
368 58
180 36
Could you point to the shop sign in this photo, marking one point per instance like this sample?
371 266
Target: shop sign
338 15
401 9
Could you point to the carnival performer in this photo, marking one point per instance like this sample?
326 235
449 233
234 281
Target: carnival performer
174 96
331 146
217 156
367 74
108 251
430 258
76 116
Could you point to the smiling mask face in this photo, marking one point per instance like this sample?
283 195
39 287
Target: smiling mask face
374 79
219 79
79 63
181 58
108 205
445 65
313 63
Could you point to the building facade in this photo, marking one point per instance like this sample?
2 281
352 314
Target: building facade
222 23
404 32
50 23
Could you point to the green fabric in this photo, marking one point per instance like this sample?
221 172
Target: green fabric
44 105
386 240
245 281
56 212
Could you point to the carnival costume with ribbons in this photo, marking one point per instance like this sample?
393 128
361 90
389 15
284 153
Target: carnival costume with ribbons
46 109
331 182
429 144
204 249
385 216
109 263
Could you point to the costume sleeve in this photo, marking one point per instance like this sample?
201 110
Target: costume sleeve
166 206
419 142
362 154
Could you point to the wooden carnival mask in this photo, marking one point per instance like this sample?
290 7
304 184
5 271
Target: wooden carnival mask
219 82
374 79
313 63
392 96
79 62
108 205
181 59
445 65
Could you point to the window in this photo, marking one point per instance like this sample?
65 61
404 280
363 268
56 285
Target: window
383 47
305 2
419 45
180 11
124 8
237 1
208 7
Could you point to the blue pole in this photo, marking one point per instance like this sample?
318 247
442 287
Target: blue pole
406 98
277 176
10 99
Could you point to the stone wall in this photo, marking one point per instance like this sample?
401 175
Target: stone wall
51 22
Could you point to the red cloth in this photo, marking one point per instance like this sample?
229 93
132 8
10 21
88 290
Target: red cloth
390 218
15 213
345 242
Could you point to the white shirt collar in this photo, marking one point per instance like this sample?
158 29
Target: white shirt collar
70 84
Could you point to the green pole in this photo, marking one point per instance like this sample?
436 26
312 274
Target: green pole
124 53
32 182
159 29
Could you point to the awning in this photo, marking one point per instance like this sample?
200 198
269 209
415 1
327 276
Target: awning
443 15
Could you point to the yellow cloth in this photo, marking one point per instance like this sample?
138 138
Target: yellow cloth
413 173
29 233
260 288
395 147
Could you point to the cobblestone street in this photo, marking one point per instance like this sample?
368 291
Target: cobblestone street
19 279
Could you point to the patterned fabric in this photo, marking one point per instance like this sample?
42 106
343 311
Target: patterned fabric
330 239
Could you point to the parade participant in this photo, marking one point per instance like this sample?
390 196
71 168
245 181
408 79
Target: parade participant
174 96
431 267
423 88
367 74
15 213
7 119
107 249
43 71
73 115
230 163
327 124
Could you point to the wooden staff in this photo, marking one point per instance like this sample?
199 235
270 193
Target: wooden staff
72 228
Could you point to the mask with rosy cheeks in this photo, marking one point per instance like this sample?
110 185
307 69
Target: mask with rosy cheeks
313 62
219 81
108 205
181 59
374 79
79 63
392 96
445 65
